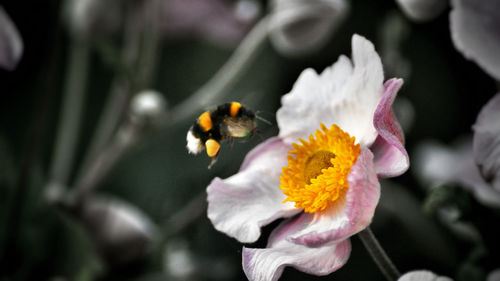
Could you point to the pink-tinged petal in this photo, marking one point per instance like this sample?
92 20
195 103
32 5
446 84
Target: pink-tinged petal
486 142
474 28
242 203
11 44
391 158
268 264
343 220
345 94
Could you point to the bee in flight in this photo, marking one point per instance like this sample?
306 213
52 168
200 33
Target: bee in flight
227 121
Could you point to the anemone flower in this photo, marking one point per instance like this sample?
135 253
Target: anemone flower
326 186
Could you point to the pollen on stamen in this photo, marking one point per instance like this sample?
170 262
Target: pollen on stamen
316 175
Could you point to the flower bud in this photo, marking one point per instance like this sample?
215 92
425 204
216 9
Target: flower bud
122 233
11 44
494 275
422 10
299 27
178 260
147 107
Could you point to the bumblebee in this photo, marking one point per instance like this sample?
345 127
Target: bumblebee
227 121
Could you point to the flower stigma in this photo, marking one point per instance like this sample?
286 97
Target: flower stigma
316 175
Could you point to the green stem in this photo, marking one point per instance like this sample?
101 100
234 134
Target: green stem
150 46
104 162
226 77
378 254
69 124
117 100
122 88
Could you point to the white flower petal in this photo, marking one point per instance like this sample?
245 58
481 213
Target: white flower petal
11 44
343 94
242 203
474 29
268 264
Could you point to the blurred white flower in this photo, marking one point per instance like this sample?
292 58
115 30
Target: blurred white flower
422 275
302 26
11 44
473 164
494 275
475 26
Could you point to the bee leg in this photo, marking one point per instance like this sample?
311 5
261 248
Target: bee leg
214 159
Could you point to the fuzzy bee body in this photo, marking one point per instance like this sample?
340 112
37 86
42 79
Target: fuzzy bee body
227 121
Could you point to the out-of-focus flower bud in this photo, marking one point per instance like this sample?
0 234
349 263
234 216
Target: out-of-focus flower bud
87 17
178 260
11 44
422 275
218 21
122 233
474 28
247 10
299 27
181 263
147 107
422 10
494 275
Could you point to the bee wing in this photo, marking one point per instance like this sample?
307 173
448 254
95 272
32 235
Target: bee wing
237 128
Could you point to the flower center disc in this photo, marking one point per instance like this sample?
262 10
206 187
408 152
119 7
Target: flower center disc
316 163
316 175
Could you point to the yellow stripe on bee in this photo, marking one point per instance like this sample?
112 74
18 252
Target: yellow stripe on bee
205 121
235 107
212 147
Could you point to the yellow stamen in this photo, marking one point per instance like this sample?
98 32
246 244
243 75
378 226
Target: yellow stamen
316 175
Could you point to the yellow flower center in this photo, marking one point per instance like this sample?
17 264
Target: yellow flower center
316 175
